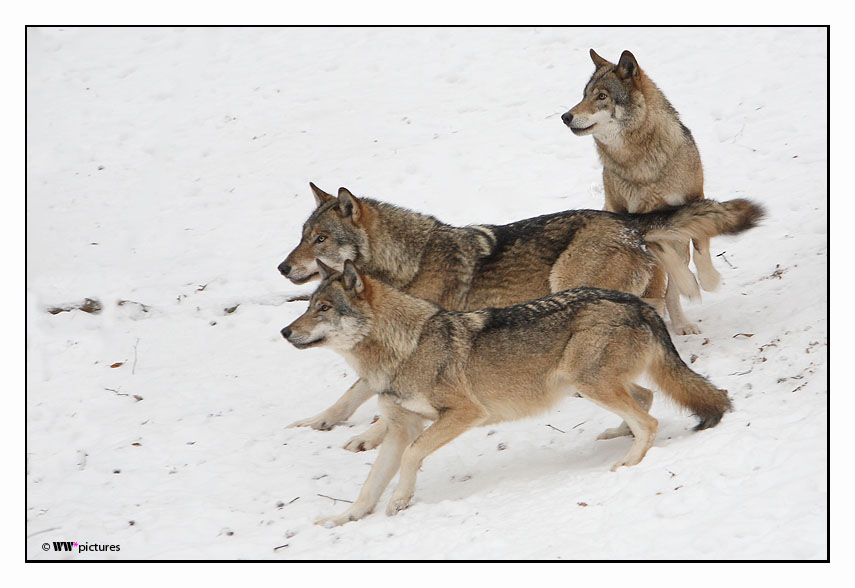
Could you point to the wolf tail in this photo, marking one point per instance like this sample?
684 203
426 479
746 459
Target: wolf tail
699 219
687 388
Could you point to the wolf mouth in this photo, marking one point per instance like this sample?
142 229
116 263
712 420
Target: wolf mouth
577 131
308 344
303 280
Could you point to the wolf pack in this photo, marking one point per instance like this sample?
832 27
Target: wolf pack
460 327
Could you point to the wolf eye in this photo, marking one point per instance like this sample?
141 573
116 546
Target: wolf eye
321 239
601 96
324 307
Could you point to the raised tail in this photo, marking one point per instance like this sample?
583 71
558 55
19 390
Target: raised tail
701 219
688 389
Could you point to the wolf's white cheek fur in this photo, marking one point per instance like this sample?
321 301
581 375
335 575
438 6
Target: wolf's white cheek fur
341 255
346 334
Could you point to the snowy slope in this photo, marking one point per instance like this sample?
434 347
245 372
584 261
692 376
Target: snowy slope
170 168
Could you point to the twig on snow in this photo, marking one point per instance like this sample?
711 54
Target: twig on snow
724 258
134 367
335 499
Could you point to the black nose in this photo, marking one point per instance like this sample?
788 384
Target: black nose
284 269
286 332
567 117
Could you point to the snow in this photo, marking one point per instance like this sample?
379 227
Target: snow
170 168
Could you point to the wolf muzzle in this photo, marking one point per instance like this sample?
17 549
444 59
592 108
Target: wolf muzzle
287 332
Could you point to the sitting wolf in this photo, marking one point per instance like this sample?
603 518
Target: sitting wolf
650 159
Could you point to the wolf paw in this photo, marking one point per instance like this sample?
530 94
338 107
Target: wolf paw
396 505
614 432
321 422
363 442
337 521
687 329
358 444
618 465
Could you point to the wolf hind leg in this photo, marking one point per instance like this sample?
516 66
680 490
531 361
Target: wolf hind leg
679 322
615 396
600 363
654 294
707 274
644 398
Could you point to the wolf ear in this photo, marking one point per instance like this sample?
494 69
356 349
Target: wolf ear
350 277
627 66
325 270
349 205
320 195
599 61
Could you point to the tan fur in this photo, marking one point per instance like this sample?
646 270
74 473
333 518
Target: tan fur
650 160
462 370
467 268
675 266
698 221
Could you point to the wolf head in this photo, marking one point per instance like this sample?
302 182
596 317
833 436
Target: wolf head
333 233
612 99
339 313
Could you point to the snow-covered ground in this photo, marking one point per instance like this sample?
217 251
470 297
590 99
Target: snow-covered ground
169 169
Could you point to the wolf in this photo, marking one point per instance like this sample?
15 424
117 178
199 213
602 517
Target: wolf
466 268
650 159
468 369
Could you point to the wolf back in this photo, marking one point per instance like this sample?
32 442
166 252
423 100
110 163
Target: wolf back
472 267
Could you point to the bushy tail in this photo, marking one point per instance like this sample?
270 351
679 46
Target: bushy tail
693 220
701 218
687 388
